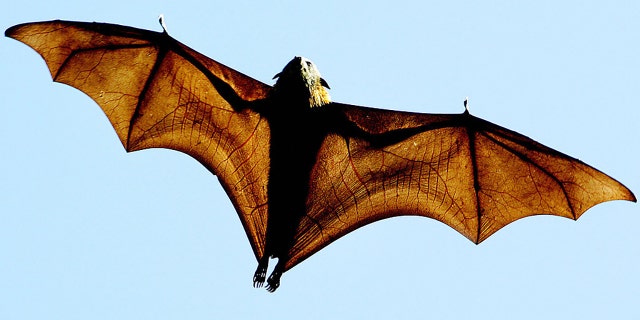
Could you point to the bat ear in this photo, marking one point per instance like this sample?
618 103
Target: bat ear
277 75
324 83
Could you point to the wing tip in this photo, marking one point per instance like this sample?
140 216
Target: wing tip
631 196
14 32
11 31
622 193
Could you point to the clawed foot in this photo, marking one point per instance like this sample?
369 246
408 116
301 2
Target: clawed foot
259 276
274 281
261 272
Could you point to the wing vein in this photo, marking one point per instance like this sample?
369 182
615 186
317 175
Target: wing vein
476 184
524 158
75 52
162 53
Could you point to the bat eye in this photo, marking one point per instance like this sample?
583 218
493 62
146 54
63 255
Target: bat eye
309 63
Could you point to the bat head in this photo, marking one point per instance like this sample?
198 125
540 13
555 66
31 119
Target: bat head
300 79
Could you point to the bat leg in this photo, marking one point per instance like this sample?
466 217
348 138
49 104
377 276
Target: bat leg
261 272
274 279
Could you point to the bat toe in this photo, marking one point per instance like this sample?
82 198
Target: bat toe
259 276
274 281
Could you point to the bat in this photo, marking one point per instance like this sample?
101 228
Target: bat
300 169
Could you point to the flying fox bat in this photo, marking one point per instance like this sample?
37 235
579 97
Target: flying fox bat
301 170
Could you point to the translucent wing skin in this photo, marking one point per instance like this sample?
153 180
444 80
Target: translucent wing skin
158 93
372 164
466 172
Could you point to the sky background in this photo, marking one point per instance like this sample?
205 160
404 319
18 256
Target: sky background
90 232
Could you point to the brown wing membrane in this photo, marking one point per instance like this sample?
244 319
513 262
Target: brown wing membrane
373 164
158 93
468 173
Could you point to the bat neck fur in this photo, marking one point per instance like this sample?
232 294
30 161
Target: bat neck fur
300 81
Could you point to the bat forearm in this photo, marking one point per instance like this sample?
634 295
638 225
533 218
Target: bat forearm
390 137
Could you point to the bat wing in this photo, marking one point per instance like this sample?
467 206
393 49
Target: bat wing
466 172
158 93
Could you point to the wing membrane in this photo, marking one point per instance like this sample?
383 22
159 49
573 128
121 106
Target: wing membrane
158 93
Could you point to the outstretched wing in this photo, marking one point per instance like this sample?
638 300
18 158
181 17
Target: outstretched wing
468 173
159 93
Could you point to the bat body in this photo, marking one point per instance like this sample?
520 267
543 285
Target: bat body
301 170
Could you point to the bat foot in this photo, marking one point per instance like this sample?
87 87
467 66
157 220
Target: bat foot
260 275
274 281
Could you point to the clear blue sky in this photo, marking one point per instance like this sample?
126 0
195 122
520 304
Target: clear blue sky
90 232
